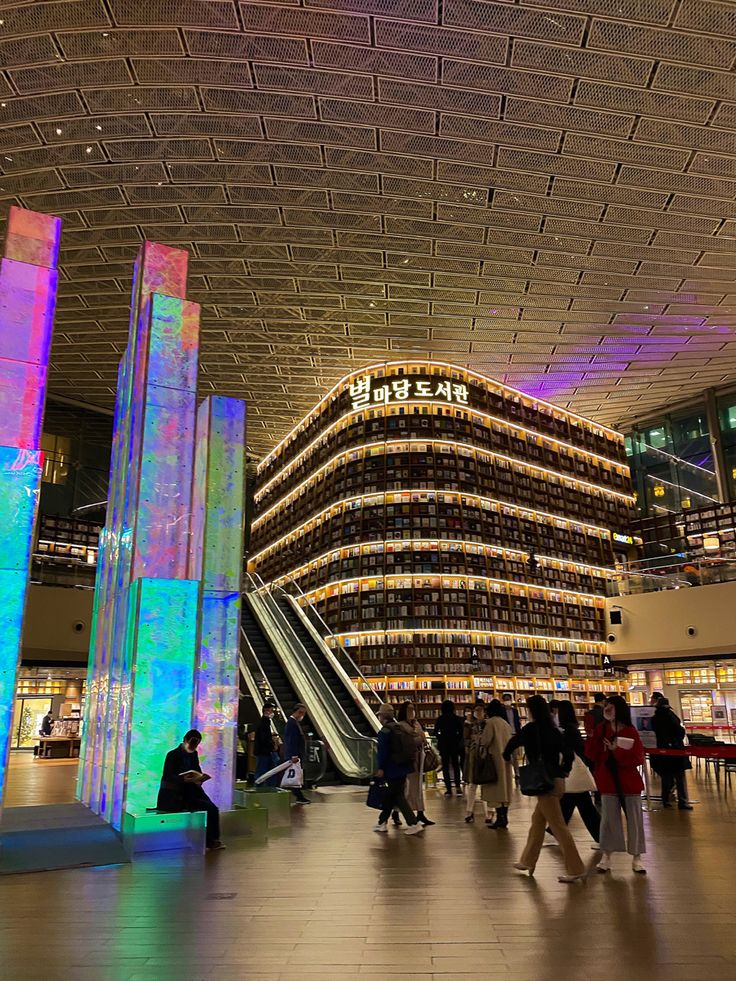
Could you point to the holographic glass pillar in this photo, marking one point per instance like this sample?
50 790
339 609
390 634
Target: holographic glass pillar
217 557
28 283
142 596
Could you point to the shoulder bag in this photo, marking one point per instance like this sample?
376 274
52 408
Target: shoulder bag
534 778
580 780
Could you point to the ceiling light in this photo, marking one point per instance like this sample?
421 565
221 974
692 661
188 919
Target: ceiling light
58 131
88 150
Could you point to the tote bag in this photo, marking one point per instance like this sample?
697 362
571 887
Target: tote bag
377 795
580 780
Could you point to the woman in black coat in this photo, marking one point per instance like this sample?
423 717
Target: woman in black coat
670 734
448 730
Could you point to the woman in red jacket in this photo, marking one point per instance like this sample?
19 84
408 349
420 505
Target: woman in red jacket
616 750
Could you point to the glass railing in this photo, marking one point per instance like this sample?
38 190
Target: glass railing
353 753
682 574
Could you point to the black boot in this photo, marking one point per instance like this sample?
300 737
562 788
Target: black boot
423 819
502 818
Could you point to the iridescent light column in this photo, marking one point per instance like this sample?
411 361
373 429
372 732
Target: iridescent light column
216 560
140 683
28 283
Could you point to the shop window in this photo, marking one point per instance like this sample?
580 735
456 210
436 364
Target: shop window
56 454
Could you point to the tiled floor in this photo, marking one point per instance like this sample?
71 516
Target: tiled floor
330 901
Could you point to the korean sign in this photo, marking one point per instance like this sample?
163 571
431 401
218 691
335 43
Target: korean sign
366 390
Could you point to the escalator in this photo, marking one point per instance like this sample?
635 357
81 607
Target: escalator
283 657
273 674
318 652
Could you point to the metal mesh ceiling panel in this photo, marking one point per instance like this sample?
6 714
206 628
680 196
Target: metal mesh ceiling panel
542 190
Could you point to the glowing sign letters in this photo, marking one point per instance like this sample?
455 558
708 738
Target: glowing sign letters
367 390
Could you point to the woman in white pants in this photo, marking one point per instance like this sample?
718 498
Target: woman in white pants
617 752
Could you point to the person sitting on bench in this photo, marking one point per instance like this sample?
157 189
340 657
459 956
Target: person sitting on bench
181 786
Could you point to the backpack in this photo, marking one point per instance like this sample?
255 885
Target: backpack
403 746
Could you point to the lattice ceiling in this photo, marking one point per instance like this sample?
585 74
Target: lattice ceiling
545 191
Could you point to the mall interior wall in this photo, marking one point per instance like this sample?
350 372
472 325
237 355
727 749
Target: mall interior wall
688 622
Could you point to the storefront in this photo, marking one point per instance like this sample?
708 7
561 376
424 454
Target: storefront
703 693
40 690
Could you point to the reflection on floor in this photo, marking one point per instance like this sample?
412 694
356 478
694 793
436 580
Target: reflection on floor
33 781
331 901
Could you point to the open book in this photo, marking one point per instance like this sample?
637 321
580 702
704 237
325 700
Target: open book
195 776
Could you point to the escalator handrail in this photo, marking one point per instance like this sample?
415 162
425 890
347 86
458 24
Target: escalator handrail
259 666
346 745
343 650
355 694
285 628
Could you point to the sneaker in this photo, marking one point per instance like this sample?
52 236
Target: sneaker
414 829
448 793
302 800
381 828
636 866
684 806
571 878
216 846
605 863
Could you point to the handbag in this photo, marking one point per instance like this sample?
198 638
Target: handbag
376 795
580 780
534 778
485 768
431 759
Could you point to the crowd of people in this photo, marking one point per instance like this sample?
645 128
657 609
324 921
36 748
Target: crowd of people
598 774
480 755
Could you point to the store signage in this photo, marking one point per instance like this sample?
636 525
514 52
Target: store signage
608 668
623 539
367 390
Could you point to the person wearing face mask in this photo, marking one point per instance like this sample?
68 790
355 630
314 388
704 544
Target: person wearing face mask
474 746
181 786
265 746
511 714
617 753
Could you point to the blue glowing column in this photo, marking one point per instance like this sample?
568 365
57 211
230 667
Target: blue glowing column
28 282
142 573
217 559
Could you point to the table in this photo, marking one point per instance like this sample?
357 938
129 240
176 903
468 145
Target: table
48 744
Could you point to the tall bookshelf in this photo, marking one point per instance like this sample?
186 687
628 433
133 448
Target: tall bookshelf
446 526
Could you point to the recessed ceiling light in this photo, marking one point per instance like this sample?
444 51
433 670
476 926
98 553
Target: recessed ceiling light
98 127
58 131
88 150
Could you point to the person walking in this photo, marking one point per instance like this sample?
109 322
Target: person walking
670 734
181 787
295 745
496 736
396 752
448 730
475 748
265 745
580 783
543 744
617 753
511 714
414 789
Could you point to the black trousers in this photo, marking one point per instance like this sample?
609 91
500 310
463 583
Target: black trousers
586 809
450 765
670 780
395 799
201 802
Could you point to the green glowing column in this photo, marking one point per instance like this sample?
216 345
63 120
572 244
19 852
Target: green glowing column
216 560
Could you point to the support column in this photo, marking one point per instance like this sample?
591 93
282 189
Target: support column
716 444
28 285
145 620
216 560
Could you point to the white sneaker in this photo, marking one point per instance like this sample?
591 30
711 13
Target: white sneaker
414 829
382 828
636 866
605 863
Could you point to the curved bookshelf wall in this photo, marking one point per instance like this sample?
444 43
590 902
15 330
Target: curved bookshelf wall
446 525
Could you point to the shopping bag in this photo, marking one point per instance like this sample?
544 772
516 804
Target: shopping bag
376 795
580 779
293 778
272 772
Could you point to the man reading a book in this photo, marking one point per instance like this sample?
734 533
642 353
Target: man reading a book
181 786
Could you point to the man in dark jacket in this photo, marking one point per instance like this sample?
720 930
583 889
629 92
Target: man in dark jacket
594 716
514 720
181 786
670 734
295 745
394 770
264 746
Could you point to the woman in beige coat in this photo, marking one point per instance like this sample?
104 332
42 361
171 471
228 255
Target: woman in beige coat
407 719
495 737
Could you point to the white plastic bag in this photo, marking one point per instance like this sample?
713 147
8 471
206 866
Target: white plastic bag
293 778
